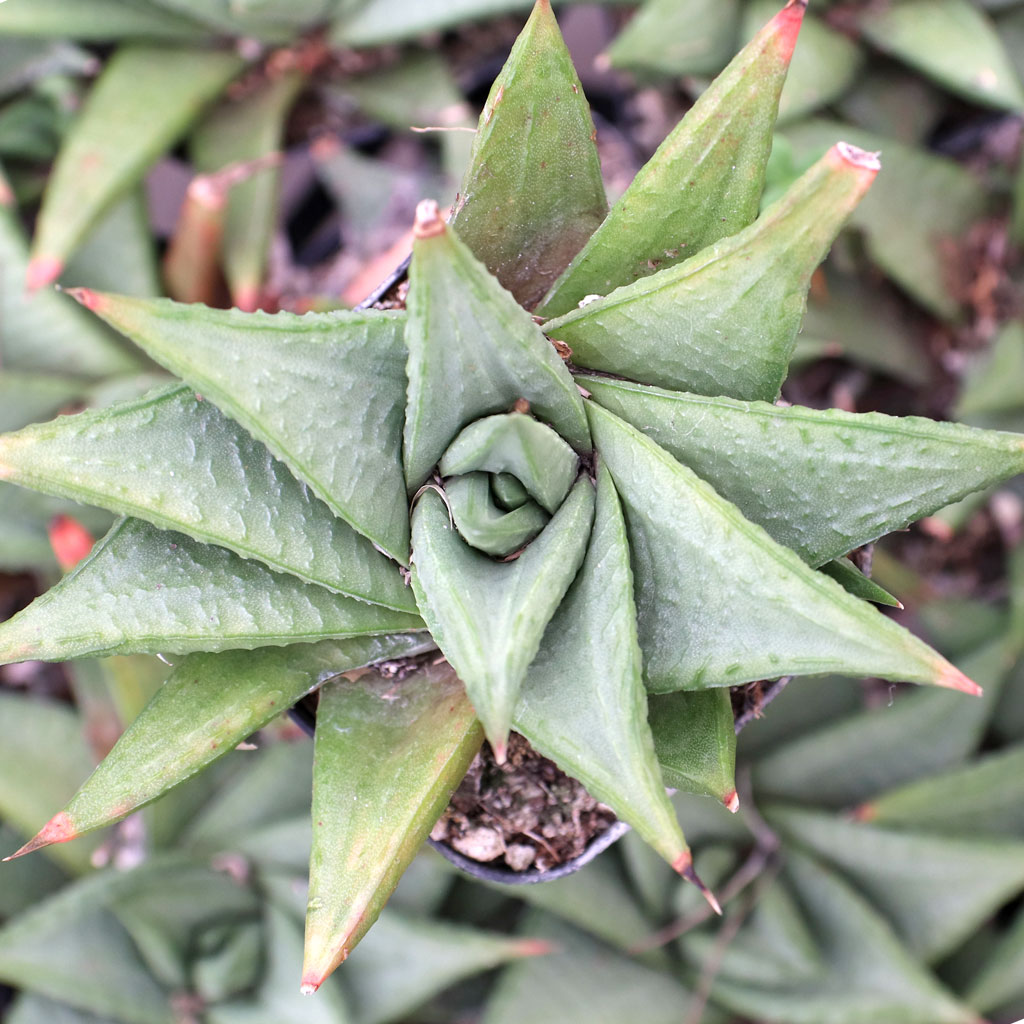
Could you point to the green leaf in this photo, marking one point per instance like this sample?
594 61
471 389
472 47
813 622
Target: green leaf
822 482
920 204
518 445
209 705
43 754
936 890
695 742
473 351
380 744
532 194
404 961
853 581
143 590
982 798
277 1000
31 397
865 975
26 63
28 881
235 132
704 182
726 320
388 21
484 524
176 461
282 377
824 65
583 702
45 332
489 617
669 37
719 602
119 253
33 1009
988 387
999 981
950 41
141 104
102 21
72 948
585 982
864 754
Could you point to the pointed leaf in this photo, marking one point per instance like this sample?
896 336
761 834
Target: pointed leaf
984 797
102 21
227 489
210 704
726 320
864 754
381 746
585 982
484 524
520 446
838 479
277 999
144 590
866 975
143 101
936 890
853 581
43 754
999 982
404 961
824 65
921 203
473 351
952 42
695 741
72 948
695 37
282 378
719 602
583 703
532 194
488 617
705 181
45 332
246 130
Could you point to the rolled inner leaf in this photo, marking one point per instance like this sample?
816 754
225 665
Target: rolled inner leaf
506 475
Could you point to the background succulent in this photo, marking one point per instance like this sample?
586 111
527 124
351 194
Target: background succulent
677 712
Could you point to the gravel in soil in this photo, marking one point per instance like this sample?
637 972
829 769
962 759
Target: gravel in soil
525 814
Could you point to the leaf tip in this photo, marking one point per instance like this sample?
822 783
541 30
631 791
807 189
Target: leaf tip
499 747
309 987
536 947
864 812
70 541
785 27
59 829
846 154
683 864
247 297
86 297
429 222
952 678
41 271
732 801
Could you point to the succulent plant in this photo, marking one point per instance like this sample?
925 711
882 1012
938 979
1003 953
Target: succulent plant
548 488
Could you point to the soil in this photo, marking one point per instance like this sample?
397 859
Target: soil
525 814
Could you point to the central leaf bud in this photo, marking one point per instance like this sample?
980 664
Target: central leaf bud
506 476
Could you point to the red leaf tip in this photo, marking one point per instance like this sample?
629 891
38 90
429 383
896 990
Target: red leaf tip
59 829
732 800
428 220
86 297
786 27
536 947
41 271
863 159
308 988
70 541
683 864
952 678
